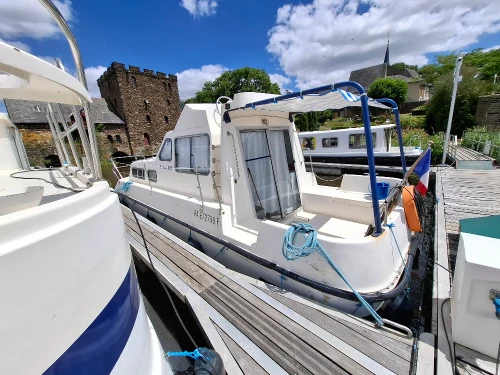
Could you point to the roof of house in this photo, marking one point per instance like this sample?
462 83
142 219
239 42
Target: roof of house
26 111
366 76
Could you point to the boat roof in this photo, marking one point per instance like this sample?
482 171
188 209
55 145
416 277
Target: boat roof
325 98
31 78
361 129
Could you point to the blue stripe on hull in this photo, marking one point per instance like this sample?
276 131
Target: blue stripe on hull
98 348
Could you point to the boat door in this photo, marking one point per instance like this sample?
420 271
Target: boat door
271 172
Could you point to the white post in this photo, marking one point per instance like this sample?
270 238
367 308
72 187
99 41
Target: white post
458 78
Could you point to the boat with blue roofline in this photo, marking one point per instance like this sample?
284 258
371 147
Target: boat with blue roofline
231 180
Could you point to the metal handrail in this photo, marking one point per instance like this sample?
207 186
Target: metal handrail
75 50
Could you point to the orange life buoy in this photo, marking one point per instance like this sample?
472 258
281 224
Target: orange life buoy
411 213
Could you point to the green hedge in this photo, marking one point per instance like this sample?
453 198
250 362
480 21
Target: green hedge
412 122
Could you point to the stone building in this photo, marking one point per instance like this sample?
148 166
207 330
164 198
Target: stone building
30 117
488 112
137 108
146 101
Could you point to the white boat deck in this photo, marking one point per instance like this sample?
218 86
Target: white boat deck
261 329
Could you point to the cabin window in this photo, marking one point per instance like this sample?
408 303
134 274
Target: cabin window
138 173
152 176
166 150
193 153
330 142
308 143
359 140
271 172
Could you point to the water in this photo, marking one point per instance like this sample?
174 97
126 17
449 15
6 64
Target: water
162 315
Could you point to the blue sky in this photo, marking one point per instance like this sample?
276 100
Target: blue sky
300 44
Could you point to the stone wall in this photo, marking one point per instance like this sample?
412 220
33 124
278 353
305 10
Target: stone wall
148 102
488 112
38 144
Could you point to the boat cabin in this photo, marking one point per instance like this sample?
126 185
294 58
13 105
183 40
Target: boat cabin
347 141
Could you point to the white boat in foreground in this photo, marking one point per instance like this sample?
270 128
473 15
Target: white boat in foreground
231 181
70 299
349 146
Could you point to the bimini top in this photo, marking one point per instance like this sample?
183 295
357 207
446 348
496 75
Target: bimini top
320 99
31 78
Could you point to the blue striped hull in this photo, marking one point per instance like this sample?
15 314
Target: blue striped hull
99 347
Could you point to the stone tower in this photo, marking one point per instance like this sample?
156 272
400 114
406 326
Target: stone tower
148 102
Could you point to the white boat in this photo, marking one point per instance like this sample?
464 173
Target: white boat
70 299
348 146
231 180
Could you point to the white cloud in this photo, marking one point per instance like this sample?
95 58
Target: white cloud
281 80
92 73
324 41
28 18
491 48
191 80
200 8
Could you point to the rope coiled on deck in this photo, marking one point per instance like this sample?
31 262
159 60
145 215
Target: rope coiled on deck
292 252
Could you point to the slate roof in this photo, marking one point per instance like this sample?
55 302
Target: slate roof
23 111
366 76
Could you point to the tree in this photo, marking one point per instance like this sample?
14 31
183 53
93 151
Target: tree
235 81
392 88
307 122
468 92
402 66
486 63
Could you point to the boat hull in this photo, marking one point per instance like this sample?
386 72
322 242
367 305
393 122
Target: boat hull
74 305
389 161
313 267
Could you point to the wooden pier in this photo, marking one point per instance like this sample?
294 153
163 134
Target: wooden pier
258 328
460 194
465 158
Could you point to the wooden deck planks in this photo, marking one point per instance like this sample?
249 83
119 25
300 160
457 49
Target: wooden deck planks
293 347
467 194
392 354
463 194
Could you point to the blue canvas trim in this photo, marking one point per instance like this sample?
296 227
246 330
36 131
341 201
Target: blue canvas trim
98 348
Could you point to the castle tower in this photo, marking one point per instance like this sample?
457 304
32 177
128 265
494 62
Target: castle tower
148 102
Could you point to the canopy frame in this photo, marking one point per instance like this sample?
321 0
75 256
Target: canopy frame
363 98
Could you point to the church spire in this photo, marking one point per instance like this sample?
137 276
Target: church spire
386 58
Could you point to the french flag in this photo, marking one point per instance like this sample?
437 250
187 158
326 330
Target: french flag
423 169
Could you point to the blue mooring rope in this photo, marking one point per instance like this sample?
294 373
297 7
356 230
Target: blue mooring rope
194 354
291 252
125 186
220 251
390 226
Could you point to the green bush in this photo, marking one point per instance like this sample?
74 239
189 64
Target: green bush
392 88
420 110
412 122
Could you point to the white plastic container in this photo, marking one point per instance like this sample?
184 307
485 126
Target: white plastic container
476 280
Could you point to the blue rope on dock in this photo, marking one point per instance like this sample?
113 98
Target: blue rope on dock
390 226
281 281
220 251
292 252
125 186
194 354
